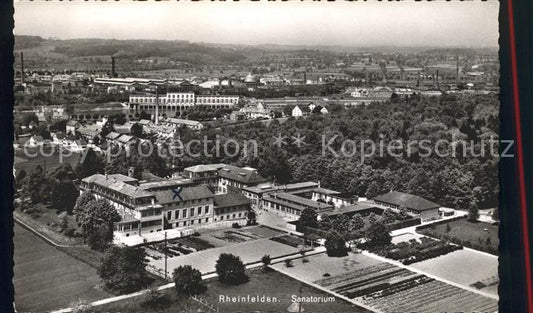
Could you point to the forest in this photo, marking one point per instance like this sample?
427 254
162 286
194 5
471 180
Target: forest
465 181
462 181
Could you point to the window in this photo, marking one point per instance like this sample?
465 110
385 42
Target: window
206 209
184 213
207 220
199 210
192 212
177 214
169 215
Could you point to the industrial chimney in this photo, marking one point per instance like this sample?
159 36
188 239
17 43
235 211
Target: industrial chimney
22 67
437 79
112 66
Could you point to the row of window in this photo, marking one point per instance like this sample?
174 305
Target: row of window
174 215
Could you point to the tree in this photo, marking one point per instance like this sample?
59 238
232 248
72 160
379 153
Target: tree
266 260
80 205
308 218
230 269
473 213
335 244
122 269
378 235
252 217
137 130
97 223
33 185
188 281
90 165
64 195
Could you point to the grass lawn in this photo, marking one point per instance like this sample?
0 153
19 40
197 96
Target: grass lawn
47 279
262 283
479 236
27 163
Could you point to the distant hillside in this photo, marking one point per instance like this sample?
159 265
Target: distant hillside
25 42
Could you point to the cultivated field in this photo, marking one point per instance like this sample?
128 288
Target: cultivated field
46 278
387 287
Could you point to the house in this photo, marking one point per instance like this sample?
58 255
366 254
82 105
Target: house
153 206
187 123
203 173
291 206
233 178
259 110
324 110
256 193
36 141
58 137
126 140
71 127
297 112
231 208
112 136
415 205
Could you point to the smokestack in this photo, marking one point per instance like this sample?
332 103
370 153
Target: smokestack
112 66
437 79
457 71
305 77
22 67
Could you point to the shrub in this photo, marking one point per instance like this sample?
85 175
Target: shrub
288 263
236 225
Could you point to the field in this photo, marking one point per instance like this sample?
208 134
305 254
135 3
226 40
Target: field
387 287
479 236
465 267
261 283
46 278
27 163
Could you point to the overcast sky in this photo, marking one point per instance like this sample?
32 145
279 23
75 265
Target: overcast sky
360 24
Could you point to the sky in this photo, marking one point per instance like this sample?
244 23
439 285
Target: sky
358 24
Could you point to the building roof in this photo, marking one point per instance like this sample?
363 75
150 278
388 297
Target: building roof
204 167
38 138
186 194
356 208
117 185
302 201
125 138
165 184
73 123
287 188
112 135
241 175
326 191
409 201
180 121
230 200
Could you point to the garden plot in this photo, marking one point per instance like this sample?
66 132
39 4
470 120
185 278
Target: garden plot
386 287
